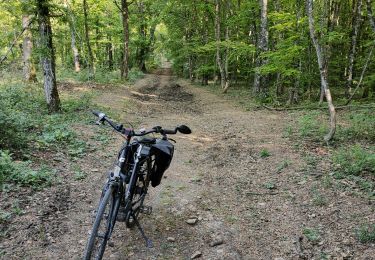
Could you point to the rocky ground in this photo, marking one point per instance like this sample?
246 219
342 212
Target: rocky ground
236 188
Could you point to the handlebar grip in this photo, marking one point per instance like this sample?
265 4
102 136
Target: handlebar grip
95 112
169 132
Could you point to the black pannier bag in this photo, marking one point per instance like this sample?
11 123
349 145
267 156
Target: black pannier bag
163 152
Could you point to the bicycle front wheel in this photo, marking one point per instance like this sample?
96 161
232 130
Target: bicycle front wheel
102 226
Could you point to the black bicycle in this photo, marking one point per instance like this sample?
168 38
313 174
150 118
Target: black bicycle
140 161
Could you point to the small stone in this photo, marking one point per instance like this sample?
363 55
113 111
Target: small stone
111 244
196 254
216 242
94 170
167 228
81 242
171 239
192 221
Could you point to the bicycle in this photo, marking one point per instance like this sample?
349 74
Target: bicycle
139 163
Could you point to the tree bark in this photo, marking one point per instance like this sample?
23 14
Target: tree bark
261 81
219 61
125 30
73 44
353 45
87 38
47 56
29 73
323 72
110 53
370 15
77 66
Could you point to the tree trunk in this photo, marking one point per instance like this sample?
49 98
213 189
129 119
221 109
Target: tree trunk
323 72
29 73
87 38
125 31
353 45
219 61
47 56
370 15
71 22
77 66
110 53
142 32
261 81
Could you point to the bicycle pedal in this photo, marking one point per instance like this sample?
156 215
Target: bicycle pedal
146 210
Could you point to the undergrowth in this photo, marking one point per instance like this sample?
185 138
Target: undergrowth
26 127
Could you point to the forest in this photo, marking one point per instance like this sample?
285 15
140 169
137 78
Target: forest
280 95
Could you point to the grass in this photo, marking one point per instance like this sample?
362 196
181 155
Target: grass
264 153
354 160
28 129
366 233
21 173
311 234
102 76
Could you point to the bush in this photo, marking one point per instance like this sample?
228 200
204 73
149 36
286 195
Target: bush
19 107
20 173
135 74
354 160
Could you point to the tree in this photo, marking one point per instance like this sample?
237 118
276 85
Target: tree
260 81
71 23
47 56
88 45
125 24
222 62
29 72
323 71
353 46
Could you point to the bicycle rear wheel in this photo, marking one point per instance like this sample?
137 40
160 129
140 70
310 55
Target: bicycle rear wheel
103 225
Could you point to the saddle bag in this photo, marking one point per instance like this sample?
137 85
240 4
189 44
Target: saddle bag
162 151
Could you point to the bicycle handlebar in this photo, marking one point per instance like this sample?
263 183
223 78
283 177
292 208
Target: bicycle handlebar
130 132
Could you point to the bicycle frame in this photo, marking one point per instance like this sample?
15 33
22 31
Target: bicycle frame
117 179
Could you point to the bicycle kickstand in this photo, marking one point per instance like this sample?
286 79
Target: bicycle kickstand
148 241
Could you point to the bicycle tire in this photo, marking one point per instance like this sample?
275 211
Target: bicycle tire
143 186
106 201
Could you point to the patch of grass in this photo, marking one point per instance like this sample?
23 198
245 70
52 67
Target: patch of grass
354 160
319 199
358 125
269 185
5 216
312 125
287 132
366 233
78 173
311 234
284 164
20 173
264 153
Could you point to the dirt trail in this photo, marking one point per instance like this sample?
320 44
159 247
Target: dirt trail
254 207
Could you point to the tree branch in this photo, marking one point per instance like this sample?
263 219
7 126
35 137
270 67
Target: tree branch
5 56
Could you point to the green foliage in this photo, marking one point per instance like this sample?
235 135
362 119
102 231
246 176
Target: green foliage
20 173
366 233
354 160
358 125
264 153
19 105
311 234
312 125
